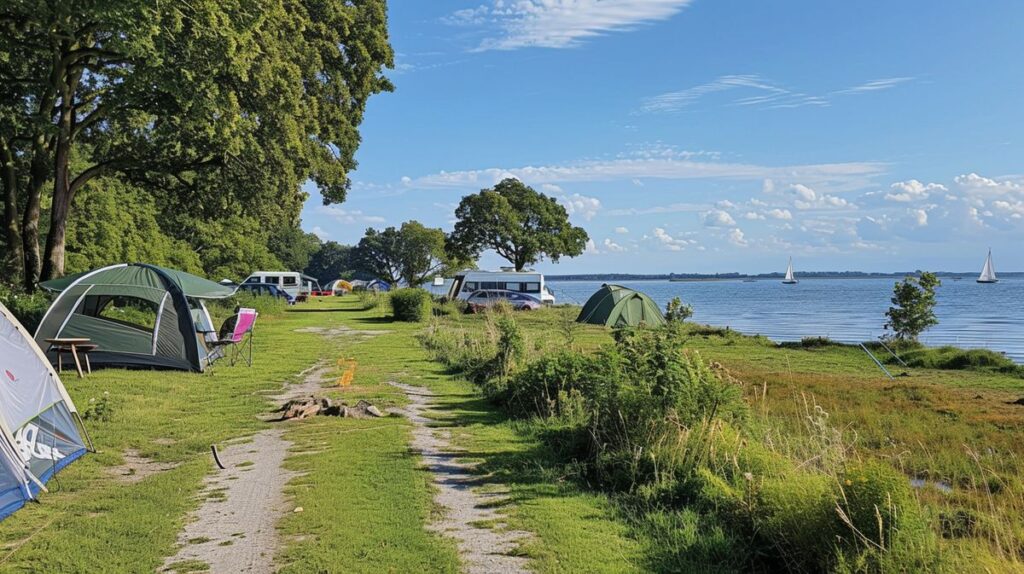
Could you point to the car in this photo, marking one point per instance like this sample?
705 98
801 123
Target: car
268 290
484 298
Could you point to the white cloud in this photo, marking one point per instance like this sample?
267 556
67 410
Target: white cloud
725 204
718 218
855 174
621 230
591 248
783 214
920 216
736 237
550 188
671 243
767 186
753 216
912 189
875 85
808 198
576 204
761 93
347 216
560 23
319 232
612 247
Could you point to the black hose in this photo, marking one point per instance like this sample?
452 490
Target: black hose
216 457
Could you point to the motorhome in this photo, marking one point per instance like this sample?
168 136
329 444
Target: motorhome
528 282
295 284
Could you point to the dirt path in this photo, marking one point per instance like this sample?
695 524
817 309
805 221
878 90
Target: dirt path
483 550
235 528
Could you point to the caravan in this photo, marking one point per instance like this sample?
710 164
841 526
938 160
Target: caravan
528 282
297 285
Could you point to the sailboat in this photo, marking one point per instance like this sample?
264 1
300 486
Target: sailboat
988 272
790 280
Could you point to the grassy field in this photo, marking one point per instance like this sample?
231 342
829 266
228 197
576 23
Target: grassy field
956 433
366 502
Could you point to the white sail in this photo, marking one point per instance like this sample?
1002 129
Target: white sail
789 273
988 272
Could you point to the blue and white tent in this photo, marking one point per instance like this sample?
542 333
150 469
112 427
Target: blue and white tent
38 434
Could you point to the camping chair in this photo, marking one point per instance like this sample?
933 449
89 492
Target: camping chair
238 341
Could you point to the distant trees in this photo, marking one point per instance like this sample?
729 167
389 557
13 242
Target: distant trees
218 109
332 261
913 307
412 253
518 223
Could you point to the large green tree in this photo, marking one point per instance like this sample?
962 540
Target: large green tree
332 261
220 109
518 223
293 247
412 253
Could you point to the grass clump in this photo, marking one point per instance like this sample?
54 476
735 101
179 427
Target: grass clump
411 305
954 359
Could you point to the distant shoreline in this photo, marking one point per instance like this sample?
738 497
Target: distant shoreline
683 277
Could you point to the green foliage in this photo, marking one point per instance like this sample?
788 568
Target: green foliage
99 409
115 222
952 358
555 384
232 248
293 247
369 300
677 312
332 261
28 308
518 223
413 253
913 309
411 305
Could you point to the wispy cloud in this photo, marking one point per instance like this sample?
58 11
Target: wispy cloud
348 216
764 94
875 85
559 23
839 175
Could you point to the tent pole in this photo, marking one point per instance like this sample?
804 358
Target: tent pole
85 431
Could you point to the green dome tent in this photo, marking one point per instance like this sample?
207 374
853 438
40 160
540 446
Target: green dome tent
617 306
138 315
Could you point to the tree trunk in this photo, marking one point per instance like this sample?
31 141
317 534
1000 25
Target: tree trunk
14 264
53 264
30 219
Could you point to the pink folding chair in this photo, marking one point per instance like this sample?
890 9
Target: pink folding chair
236 336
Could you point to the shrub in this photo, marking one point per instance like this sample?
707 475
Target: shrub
952 358
27 308
913 307
410 304
370 299
677 312
265 305
556 384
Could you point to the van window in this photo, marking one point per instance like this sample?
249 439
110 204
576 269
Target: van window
532 288
272 279
514 286
491 285
253 279
470 286
290 281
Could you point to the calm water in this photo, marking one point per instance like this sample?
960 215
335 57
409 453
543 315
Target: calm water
971 315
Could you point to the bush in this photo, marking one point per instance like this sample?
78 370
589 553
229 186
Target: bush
369 299
410 304
265 305
555 385
27 308
677 312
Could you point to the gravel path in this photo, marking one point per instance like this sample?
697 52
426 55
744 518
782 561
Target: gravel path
235 528
483 550
234 531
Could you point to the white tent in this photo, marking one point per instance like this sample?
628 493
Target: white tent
38 436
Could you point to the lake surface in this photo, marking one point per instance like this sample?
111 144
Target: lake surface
971 315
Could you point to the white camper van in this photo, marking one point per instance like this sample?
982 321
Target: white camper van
295 284
528 282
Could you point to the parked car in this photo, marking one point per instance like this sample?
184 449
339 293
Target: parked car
485 298
265 289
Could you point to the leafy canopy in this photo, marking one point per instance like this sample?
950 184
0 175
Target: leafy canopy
913 309
413 253
518 223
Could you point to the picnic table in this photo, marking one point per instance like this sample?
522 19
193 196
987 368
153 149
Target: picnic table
72 345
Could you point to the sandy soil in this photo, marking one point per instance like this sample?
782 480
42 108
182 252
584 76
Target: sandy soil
341 331
483 550
136 467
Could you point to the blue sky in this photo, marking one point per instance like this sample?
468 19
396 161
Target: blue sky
709 135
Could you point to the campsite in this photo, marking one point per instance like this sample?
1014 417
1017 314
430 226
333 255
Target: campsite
511 287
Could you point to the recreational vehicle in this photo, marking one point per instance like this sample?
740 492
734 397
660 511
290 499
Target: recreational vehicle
528 282
295 284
